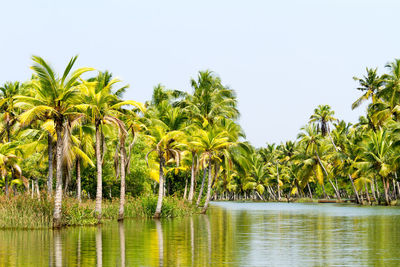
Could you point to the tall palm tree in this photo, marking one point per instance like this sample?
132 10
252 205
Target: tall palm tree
271 156
378 157
211 142
81 150
370 84
101 105
323 115
55 98
211 101
166 144
133 126
316 149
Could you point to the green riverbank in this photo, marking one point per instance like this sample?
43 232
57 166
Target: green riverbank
24 212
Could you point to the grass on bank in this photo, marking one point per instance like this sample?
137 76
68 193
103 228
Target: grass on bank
24 212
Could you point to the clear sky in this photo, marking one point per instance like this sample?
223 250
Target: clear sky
282 57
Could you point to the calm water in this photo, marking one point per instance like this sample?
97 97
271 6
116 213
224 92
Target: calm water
234 234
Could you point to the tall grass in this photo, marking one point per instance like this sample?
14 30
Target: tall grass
24 212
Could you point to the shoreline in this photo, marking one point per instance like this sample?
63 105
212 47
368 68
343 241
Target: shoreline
24 212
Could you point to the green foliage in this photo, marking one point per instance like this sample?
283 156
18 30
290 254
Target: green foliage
24 212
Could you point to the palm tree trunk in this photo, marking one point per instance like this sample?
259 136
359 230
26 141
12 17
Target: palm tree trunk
99 163
394 194
8 132
398 189
373 190
277 175
191 190
157 214
67 180
354 189
6 185
50 154
333 143
201 188
366 191
309 190
37 188
58 196
122 193
323 189
208 188
378 194
271 192
326 173
78 180
385 191
185 192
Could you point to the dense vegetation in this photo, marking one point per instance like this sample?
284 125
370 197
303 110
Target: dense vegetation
73 135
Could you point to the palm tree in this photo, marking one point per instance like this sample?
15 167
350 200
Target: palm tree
166 144
8 109
323 115
133 125
81 150
102 106
378 157
55 99
347 153
270 156
211 142
370 84
316 149
9 164
211 101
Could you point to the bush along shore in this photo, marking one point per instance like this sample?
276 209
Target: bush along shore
24 212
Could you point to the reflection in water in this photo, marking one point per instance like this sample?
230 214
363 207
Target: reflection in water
233 234
57 248
208 229
99 247
160 242
78 251
122 242
192 240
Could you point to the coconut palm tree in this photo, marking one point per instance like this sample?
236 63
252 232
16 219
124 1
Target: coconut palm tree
9 167
166 144
55 98
101 105
9 112
211 142
271 155
316 150
371 84
210 101
378 157
133 126
81 141
323 115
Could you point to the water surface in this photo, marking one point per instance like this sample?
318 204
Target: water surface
234 234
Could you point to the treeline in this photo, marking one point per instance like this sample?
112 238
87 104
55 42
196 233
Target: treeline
62 134
66 135
331 158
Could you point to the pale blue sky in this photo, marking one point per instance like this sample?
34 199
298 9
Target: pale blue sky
282 57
